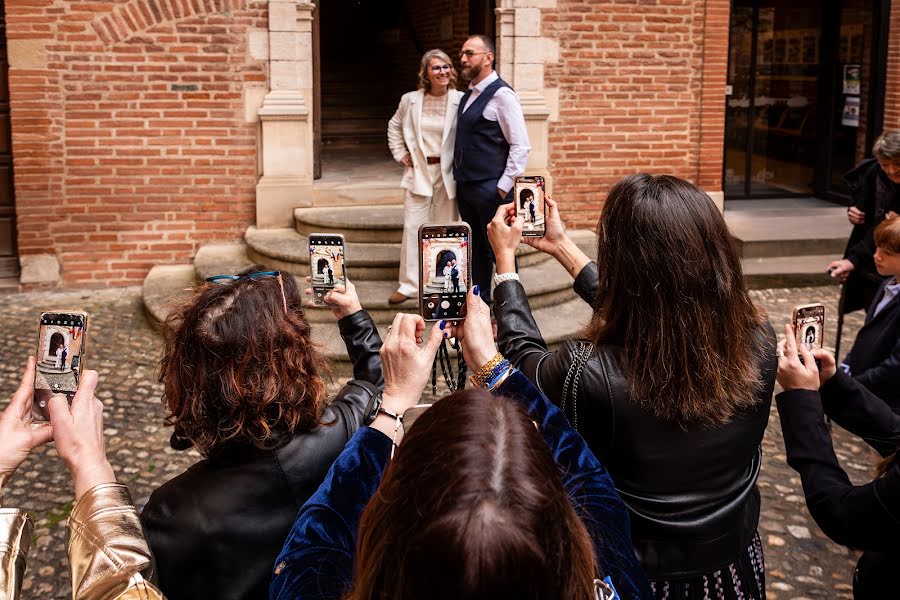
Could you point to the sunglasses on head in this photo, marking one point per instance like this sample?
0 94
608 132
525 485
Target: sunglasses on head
256 276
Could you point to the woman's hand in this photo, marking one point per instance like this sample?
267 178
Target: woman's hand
18 436
856 216
792 374
505 233
78 434
826 364
406 161
342 300
407 365
840 269
476 332
555 232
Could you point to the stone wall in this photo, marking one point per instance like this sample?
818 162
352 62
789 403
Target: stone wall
641 88
132 141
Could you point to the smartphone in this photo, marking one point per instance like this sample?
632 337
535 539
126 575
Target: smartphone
444 272
809 325
412 413
326 264
529 194
60 358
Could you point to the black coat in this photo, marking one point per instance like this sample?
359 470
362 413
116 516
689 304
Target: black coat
874 359
691 493
863 516
217 528
873 193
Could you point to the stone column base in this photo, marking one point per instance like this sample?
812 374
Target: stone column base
277 197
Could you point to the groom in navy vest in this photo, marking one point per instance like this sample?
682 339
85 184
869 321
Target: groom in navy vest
491 150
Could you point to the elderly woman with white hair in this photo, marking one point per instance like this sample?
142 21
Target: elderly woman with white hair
421 136
875 196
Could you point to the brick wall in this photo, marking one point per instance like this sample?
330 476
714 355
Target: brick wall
892 89
129 138
641 89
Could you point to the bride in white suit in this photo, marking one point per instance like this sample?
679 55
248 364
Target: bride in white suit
421 135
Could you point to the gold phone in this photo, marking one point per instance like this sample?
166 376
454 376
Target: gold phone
809 325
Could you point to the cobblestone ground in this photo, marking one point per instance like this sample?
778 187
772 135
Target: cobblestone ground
801 562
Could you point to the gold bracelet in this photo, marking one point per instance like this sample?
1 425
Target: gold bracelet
477 380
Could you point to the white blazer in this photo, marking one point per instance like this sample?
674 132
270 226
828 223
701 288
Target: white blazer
405 137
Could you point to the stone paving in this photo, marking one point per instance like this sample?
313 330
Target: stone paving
801 562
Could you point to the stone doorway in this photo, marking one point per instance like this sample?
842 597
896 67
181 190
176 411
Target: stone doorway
367 57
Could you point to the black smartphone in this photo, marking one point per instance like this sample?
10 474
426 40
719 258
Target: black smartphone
326 264
60 358
444 272
529 194
809 325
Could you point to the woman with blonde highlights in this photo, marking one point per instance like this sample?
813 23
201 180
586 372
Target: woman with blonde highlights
243 385
421 136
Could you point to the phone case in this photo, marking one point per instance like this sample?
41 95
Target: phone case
530 208
319 274
423 311
60 359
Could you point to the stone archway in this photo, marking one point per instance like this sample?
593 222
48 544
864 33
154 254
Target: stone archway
286 118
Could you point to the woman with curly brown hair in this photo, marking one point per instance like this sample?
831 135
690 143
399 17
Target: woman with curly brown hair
243 384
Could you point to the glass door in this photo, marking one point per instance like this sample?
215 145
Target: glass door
771 131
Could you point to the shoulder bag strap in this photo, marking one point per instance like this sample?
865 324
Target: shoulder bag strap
573 379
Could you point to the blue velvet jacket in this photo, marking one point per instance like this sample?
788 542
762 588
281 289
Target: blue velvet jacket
316 562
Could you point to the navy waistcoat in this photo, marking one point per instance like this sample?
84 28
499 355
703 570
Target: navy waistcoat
481 149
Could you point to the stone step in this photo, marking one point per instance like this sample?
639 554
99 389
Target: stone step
782 228
382 224
167 286
788 271
335 192
546 282
287 250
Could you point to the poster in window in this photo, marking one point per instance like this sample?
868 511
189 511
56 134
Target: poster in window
852 79
850 116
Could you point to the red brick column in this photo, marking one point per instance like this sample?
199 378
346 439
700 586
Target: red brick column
892 88
712 95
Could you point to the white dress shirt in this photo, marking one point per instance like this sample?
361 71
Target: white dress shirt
504 108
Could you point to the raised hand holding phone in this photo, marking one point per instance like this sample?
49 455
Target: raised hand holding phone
797 368
18 436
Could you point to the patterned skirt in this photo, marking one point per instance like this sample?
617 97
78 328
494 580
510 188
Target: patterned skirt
744 579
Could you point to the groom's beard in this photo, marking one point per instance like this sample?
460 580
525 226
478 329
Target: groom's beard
470 73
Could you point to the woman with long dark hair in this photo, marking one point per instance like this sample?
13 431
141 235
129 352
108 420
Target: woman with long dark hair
670 382
489 495
866 516
243 384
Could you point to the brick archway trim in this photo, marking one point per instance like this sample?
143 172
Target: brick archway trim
131 18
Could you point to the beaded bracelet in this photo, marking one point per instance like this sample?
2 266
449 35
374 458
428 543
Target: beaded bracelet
478 378
498 381
499 370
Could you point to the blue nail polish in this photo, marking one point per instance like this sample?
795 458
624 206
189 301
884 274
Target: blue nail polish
475 290
443 324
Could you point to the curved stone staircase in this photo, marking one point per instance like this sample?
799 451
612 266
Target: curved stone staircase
372 237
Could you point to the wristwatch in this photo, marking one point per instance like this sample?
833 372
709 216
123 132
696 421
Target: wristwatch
373 407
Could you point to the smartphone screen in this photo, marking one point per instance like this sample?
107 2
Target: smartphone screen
809 325
326 263
60 359
529 194
444 274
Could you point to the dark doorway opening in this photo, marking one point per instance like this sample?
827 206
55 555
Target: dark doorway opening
367 56
443 260
805 95
9 261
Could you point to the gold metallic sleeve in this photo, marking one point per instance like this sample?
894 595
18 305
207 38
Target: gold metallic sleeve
15 536
108 554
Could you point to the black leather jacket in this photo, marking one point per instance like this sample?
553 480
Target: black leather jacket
691 493
217 528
